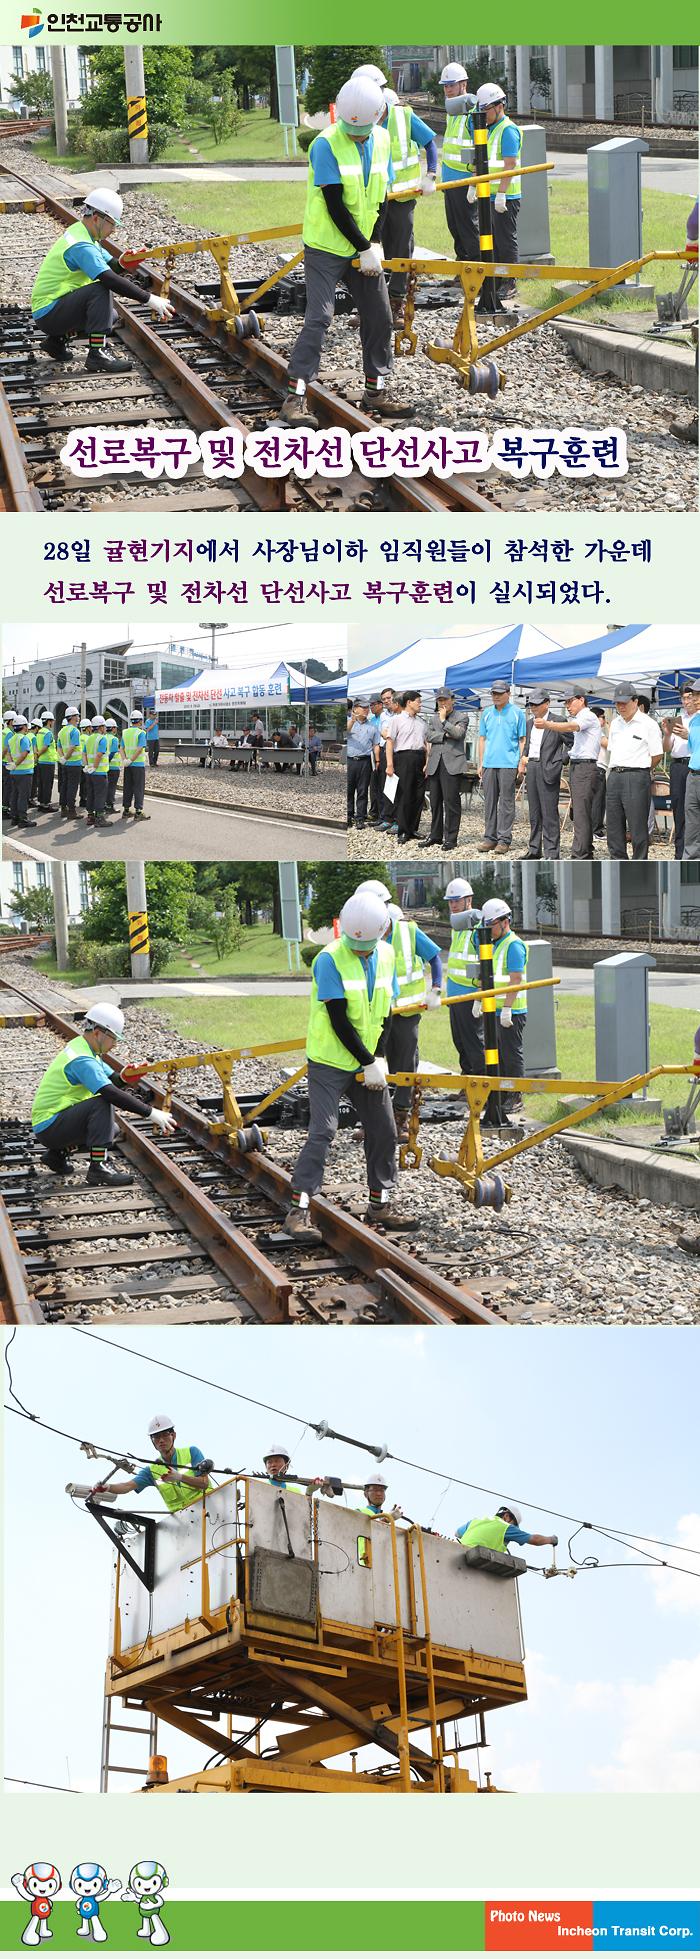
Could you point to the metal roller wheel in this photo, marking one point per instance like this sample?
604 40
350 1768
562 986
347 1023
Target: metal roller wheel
248 326
250 1139
485 379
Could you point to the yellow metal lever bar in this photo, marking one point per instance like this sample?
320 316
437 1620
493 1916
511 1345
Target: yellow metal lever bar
460 183
501 986
209 1060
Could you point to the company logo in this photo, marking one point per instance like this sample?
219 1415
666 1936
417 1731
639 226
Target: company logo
33 22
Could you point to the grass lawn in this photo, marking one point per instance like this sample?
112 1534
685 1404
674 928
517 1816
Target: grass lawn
253 206
262 955
46 147
75 976
245 1023
258 137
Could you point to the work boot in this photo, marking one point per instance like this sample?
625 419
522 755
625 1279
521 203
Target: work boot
101 360
376 402
297 1225
401 1120
689 1241
26 823
295 413
55 1160
57 349
140 816
103 1172
381 1215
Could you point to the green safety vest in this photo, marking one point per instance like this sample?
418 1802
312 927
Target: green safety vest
114 762
494 148
296 1489
34 734
463 964
6 739
177 1496
100 756
363 201
500 971
21 759
135 756
458 145
366 1016
369 1510
54 277
405 154
46 746
55 1092
490 1531
72 757
89 752
410 971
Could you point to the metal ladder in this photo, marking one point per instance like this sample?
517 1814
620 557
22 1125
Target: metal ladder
111 1727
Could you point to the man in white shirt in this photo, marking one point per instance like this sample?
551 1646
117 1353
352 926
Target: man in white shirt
677 749
633 743
584 725
406 748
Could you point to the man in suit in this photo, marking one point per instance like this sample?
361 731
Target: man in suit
446 735
541 765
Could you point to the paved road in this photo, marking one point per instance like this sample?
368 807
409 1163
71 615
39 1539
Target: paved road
678 989
181 831
658 173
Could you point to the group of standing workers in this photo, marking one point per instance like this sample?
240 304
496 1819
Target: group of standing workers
181 1478
86 754
363 181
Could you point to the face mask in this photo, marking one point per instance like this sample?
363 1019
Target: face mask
456 105
364 946
359 131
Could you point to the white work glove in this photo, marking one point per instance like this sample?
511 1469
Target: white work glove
395 1512
161 307
477 1010
506 1016
371 261
163 1122
429 184
500 202
374 1076
434 997
472 194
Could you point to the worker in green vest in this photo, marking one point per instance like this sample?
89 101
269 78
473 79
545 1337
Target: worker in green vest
504 141
99 756
74 287
35 730
133 751
8 729
413 953
181 1476
499 1532
85 795
352 992
510 969
70 761
350 171
20 750
457 162
408 135
114 763
464 976
276 1464
73 1108
375 1497
46 759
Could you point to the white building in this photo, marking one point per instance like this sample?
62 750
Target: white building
31 57
596 84
115 679
16 879
597 899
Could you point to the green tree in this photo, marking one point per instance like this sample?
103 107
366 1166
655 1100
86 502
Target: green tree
36 90
256 886
168 891
329 67
253 69
223 116
333 883
228 929
167 72
35 907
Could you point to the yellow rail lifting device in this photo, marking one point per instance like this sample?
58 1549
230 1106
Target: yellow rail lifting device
244 1134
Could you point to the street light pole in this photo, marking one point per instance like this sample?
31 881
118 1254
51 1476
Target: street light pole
212 626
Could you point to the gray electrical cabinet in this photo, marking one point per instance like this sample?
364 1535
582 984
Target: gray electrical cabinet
621 994
615 200
286 87
289 901
533 222
540 1045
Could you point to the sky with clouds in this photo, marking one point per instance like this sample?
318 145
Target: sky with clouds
601 1424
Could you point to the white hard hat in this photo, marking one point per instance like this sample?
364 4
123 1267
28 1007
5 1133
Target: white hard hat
363 920
48 715
459 887
369 68
359 102
375 886
107 201
98 721
488 95
453 72
104 1014
278 1449
36 720
72 713
21 721
390 97
110 724
495 908
395 913
376 1482
136 714
513 1510
160 1424
86 722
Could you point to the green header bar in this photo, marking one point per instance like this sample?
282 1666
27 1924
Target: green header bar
257 1926
310 21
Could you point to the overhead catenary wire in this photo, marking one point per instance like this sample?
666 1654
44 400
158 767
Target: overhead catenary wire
324 1431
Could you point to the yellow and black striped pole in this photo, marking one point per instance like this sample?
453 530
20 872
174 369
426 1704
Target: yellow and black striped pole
483 205
136 116
138 932
491 1056
136 112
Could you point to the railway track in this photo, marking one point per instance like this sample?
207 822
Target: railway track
197 1237
186 371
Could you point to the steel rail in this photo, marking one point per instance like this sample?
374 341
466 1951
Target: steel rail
17 492
18 1304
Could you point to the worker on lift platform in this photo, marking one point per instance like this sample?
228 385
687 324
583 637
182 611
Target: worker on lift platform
168 1474
499 1532
375 1492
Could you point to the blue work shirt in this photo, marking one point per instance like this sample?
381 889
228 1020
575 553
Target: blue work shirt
152 731
693 738
85 256
516 961
504 728
513 1534
88 1071
429 952
329 985
325 164
511 143
361 738
145 1477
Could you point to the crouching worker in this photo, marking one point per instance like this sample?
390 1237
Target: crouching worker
179 1475
74 1105
350 172
74 287
353 986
